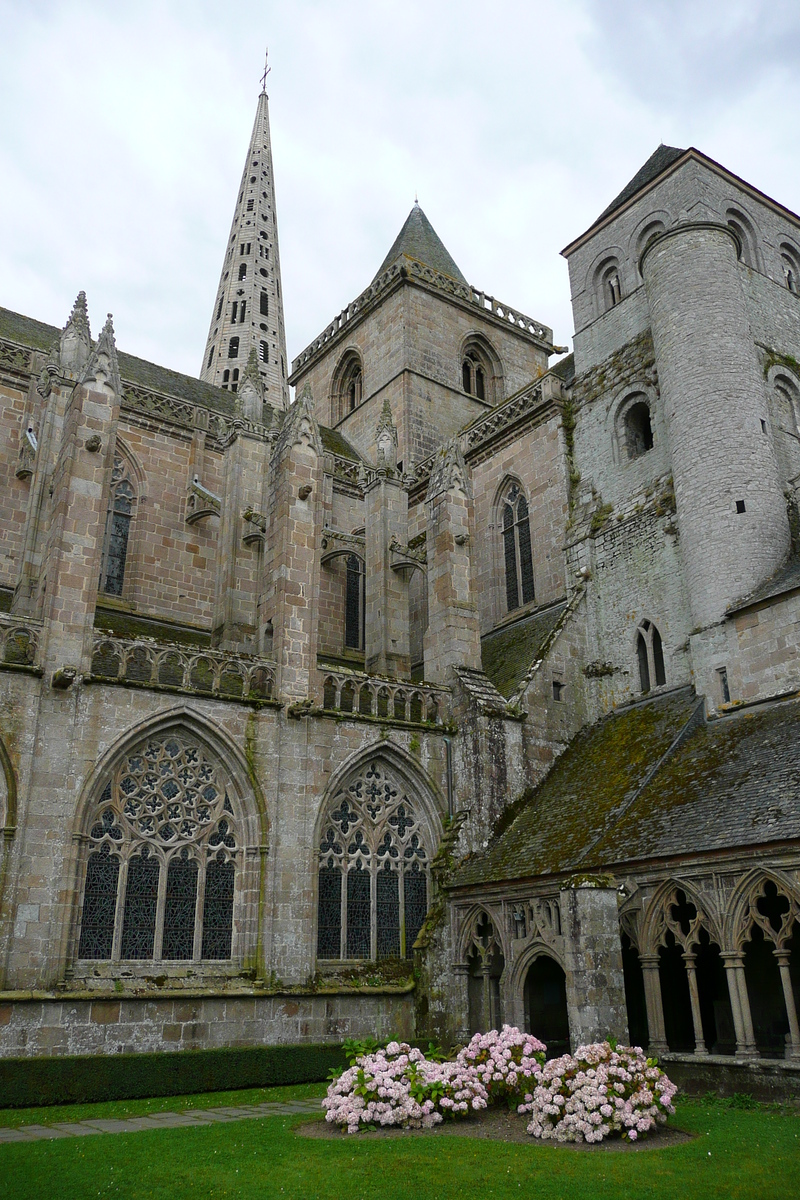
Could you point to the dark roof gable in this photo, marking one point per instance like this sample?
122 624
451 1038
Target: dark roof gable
420 241
658 161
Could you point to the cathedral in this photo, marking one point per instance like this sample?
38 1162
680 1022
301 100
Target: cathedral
462 688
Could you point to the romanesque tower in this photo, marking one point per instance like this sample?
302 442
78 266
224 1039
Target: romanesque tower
248 308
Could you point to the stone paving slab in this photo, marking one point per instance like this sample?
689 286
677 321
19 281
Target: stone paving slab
192 1117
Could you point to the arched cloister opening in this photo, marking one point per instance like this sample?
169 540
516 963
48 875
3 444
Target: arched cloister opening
635 999
486 963
545 998
772 935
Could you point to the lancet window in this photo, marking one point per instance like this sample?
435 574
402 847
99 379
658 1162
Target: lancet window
354 603
163 858
517 552
650 655
118 527
373 871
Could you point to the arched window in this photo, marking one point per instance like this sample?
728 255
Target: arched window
638 429
746 234
354 604
373 871
242 270
790 262
164 852
517 548
650 655
118 526
479 371
263 304
608 284
348 386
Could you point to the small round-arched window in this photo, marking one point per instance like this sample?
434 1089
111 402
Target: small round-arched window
790 264
638 429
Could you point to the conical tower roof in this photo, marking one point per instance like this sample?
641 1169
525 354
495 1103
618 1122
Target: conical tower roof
248 308
418 240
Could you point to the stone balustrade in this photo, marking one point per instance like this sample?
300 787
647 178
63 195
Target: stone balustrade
187 669
394 700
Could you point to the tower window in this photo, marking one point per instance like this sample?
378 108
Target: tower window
233 348
283 368
242 271
650 654
354 604
225 377
210 357
264 272
638 430
264 351
219 307
477 374
235 380
790 262
724 689
263 304
608 284
740 506
348 386
242 311
118 524
517 552
250 205
234 311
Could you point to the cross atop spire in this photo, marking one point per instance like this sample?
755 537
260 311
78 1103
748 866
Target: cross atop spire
267 69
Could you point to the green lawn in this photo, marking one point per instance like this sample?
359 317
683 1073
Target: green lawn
739 1153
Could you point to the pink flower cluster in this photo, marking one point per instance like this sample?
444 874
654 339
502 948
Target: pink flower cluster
597 1092
504 1062
399 1086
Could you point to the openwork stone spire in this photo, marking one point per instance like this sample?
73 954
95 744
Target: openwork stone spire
103 366
248 307
386 439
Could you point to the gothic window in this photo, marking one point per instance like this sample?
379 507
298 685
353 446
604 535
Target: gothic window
163 855
790 264
348 386
354 604
638 429
517 553
650 655
233 348
118 527
477 372
210 357
373 871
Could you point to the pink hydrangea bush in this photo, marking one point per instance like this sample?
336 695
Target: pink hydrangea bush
598 1092
505 1062
399 1086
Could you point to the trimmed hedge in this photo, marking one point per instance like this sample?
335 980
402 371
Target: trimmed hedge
80 1079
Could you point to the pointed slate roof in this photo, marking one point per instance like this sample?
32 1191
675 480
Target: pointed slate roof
658 161
420 241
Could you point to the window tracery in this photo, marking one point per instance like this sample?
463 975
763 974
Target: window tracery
163 857
122 500
373 872
479 373
517 552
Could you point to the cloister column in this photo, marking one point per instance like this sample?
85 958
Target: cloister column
791 1008
461 1002
694 996
653 1003
729 963
737 986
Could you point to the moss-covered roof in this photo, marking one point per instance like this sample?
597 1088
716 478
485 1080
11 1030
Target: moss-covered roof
509 652
585 794
785 579
733 782
334 443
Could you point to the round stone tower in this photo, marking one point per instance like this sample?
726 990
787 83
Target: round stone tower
734 527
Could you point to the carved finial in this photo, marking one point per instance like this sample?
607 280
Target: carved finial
267 69
103 366
386 439
250 396
76 337
449 471
299 425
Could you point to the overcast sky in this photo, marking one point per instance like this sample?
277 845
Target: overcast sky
125 124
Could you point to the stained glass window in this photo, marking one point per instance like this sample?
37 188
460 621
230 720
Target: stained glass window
164 832
517 553
354 603
120 512
373 840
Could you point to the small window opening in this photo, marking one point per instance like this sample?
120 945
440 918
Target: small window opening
763 425
247 250
740 506
263 304
263 349
219 308
650 655
791 269
225 377
118 523
558 690
233 348
283 369
234 311
354 604
613 289
724 690
210 356
476 374
242 271
638 430
242 311
250 205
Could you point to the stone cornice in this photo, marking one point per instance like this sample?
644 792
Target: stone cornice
421 276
